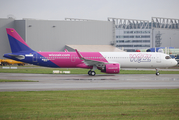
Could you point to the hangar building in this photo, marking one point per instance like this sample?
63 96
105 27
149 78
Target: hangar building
50 35
131 34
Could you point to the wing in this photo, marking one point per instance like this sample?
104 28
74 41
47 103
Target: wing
91 62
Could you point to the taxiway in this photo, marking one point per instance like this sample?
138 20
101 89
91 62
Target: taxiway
85 82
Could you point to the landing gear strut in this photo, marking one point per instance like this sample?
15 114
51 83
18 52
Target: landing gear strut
157 73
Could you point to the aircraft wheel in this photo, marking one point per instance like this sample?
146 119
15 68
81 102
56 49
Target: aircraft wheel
89 72
157 73
93 73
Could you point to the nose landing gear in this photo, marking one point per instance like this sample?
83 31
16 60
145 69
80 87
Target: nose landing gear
157 73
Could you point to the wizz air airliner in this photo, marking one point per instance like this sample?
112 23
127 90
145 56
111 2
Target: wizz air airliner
107 62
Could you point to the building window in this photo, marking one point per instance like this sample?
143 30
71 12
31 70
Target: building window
141 45
124 45
145 36
127 41
146 41
133 41
138 32
137 36
121 41
131 36
136 41
132 45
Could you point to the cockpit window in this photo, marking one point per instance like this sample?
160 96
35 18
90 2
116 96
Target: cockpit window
167 57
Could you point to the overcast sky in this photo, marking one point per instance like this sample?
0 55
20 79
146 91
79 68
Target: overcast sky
89 9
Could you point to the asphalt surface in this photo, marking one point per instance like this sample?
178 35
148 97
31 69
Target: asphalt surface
85 82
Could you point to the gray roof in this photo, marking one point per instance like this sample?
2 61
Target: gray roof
93 48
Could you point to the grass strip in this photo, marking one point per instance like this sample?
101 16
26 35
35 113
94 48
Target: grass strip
3 80
155 104
79 71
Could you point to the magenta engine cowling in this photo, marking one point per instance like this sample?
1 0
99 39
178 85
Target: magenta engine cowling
111 68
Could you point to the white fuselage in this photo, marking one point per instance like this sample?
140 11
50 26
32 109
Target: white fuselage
139 59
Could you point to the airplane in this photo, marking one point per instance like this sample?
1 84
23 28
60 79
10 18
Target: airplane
107 62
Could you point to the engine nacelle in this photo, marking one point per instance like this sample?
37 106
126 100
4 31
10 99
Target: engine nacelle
111 68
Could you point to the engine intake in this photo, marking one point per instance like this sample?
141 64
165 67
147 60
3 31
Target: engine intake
111 68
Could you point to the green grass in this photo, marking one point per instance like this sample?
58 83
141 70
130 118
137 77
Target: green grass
156 104
78 71
3 80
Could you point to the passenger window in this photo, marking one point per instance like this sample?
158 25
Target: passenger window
167 57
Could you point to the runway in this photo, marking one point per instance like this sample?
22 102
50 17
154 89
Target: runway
85 82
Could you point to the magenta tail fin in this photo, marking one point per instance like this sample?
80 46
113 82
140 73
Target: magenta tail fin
17 44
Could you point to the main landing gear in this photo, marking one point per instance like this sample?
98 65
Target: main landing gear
92 72
157 73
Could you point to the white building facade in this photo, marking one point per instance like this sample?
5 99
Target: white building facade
132 35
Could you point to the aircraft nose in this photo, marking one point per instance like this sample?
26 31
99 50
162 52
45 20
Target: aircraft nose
175 62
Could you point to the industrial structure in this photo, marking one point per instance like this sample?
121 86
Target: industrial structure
71 33
50 35
132 34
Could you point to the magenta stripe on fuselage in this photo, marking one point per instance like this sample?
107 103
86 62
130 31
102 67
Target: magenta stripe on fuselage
71 59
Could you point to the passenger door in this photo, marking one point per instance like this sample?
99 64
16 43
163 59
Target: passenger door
73 58
158 58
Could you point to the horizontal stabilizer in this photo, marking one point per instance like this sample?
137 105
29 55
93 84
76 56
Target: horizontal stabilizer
17 56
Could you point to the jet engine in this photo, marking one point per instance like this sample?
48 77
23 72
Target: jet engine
111 68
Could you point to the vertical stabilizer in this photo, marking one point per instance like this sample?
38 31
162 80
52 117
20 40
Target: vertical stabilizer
17 44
